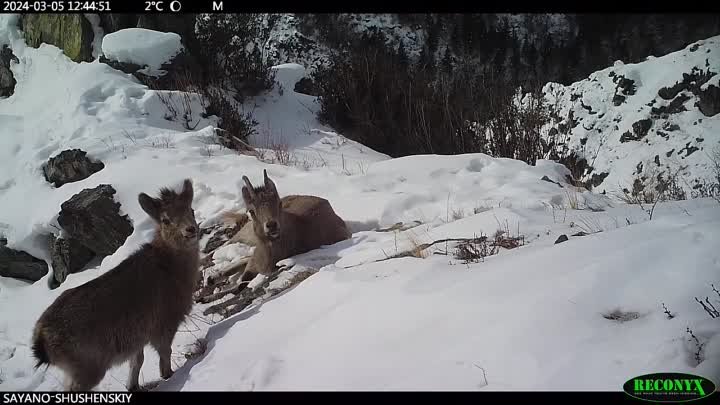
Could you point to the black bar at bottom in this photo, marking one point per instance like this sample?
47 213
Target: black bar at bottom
446 398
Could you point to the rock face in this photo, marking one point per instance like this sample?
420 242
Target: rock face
21 265
7 80
92 217
70 32
68 256
181 66
709 103
307 86
70 166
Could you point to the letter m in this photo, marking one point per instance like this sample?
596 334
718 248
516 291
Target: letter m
217 6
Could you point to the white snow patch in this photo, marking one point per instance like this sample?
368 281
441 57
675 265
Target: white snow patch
142 47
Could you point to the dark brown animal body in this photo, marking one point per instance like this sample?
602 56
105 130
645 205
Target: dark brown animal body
143 300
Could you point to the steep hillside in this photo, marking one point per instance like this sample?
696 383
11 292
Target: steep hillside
526 48
635 121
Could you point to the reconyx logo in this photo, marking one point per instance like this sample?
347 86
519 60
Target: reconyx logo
669 387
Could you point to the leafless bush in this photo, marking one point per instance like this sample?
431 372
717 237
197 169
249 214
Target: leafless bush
477 249
698 346
235 127
708 306
651 188
711 188
667 312
231 46
373 95
162 142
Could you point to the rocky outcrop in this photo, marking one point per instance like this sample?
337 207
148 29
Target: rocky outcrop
68 256
709 103
70 166
7 80
177 71
70 32
639 131
181 24
21 265
307 86
92 217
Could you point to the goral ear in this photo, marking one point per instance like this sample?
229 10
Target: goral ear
187 191
150 205
269 184
248 197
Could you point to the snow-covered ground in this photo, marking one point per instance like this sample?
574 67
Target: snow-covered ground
680 142
527 318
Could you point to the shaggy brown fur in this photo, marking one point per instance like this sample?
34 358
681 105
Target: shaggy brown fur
110 319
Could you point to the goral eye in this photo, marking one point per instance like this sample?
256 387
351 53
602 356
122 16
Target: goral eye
165 221
252 212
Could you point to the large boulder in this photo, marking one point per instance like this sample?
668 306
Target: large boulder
17 264
92 217
709 103
72 33
68 256
181 24
7 80
69 166
162 61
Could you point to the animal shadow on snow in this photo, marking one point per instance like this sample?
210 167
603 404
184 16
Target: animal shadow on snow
314 259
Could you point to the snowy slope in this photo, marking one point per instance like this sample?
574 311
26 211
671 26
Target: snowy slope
602 132
526 320
519 320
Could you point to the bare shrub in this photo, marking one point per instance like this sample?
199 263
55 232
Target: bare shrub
375 96
711 188
653 187
231 46
475 250
707 306
235 127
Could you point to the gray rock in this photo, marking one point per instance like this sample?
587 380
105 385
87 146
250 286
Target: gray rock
183 68
546 178
92 217
709 103
71 32
70 166
7 80
69 256
639 131
307 86
20 265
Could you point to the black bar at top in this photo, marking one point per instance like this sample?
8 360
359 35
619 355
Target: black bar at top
294 6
